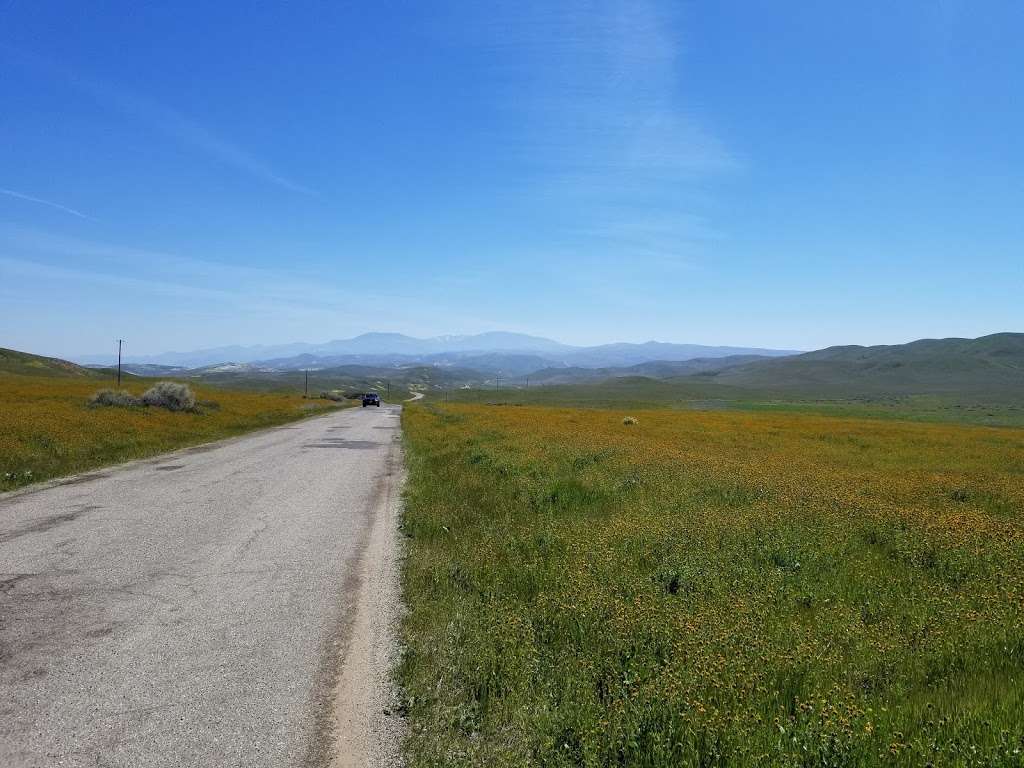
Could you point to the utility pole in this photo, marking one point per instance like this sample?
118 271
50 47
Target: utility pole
307 383
497 383
119 343
527 382
389 389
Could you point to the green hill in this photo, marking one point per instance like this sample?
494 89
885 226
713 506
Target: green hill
24 364
990 367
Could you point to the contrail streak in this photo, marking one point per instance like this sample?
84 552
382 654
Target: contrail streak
40 201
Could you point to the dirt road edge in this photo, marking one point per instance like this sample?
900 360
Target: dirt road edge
368 732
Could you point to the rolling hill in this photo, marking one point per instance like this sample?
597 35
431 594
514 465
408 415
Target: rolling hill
990 366
25 364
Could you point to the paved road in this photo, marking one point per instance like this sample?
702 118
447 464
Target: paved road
190 610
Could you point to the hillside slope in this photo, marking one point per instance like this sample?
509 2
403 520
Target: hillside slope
25 364
990 366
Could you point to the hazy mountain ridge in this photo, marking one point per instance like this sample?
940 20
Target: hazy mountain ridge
621 354
656 369
989 368
373 344
399 349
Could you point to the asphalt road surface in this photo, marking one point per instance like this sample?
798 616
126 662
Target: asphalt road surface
192 609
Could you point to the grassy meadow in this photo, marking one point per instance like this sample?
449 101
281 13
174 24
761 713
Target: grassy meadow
698 393
711 588
48 429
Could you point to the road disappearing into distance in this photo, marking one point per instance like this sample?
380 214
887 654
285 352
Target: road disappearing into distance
196 608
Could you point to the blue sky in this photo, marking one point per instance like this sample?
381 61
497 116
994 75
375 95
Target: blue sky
193 174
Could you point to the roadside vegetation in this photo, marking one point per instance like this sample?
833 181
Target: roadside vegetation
164 394
600 587
50 426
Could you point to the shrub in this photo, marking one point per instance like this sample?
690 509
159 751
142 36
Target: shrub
629 421
170 395
115 397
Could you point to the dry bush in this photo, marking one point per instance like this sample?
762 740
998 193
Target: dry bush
114 397
170 395
629 421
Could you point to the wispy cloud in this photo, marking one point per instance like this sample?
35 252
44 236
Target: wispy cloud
187 131
40 201
161 118
595 105
596 89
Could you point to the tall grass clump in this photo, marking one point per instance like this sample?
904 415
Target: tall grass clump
170 395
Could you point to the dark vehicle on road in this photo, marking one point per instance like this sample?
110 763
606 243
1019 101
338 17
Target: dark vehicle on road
371 398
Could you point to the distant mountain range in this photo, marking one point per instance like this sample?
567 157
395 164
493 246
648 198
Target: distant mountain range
986 369
657 369
495 352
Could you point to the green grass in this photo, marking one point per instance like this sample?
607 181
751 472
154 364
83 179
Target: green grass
924 408
695 393
625 392
48 429
711 589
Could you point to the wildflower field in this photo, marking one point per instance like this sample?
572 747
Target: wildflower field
711 589
48 428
